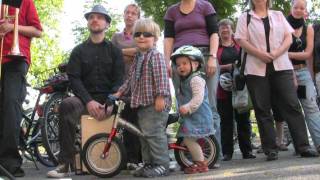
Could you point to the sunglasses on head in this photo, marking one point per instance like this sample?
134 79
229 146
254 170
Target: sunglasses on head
144 34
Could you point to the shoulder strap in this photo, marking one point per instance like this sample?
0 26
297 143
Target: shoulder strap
248 17
244 59
219 53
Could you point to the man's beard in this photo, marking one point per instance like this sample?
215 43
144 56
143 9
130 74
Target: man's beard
96 31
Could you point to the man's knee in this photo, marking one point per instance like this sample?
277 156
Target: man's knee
71 105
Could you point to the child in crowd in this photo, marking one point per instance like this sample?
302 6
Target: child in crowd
194 108
148 83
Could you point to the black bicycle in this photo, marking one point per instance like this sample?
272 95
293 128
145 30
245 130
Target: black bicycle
58 88
31 146
39 132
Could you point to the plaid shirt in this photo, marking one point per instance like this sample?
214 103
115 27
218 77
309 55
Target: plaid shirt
148 78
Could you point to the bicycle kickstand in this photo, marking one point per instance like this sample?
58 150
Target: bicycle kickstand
34 162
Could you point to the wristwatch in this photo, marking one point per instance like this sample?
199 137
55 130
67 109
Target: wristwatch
213 55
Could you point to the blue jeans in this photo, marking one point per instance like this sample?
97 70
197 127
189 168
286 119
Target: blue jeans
154 147
212 84
317 79
309 104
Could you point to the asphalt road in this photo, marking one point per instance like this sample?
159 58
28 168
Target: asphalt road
288 166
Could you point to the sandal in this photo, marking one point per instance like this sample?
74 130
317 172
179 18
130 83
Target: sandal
197 167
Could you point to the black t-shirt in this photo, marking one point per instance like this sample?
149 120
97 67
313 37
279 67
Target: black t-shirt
266 25
229 55
299 44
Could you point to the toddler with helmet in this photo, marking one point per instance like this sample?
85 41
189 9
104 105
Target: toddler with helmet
192 95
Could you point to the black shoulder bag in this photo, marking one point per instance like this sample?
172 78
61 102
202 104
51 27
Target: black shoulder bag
238 76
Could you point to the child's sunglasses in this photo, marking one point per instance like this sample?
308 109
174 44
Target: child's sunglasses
144 34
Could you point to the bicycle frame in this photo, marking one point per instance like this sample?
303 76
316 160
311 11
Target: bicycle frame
119 122
31 120
36 109
28 136
30 127
112 157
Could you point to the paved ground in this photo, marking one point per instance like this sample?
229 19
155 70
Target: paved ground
287 167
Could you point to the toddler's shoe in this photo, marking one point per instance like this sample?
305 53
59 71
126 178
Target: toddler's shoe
197 167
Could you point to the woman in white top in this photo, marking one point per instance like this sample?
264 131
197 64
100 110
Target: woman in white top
268 71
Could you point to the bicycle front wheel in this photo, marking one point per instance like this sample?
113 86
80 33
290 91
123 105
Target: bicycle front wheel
108 166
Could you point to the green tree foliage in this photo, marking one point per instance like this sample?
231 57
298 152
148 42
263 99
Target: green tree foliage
81 32
281 5
224 8
45 51
285 6
314 13
157 9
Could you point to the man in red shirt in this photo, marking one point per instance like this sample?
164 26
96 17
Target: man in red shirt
13 82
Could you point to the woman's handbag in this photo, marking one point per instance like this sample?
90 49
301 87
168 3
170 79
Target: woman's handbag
241 100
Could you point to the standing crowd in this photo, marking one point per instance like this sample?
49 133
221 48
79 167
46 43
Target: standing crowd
281 67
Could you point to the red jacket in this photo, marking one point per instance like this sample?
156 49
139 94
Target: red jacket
28 16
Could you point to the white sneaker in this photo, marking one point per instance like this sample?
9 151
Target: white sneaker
63 170
132 166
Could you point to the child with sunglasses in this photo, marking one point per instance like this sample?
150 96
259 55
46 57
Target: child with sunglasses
192 95
148 83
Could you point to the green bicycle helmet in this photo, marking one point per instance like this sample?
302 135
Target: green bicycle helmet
189 51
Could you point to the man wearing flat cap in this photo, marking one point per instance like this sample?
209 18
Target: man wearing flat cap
95 69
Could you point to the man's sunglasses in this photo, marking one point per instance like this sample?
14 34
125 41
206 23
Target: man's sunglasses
145 34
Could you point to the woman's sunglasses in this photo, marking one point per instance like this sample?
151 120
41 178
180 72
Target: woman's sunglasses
299 43
144 34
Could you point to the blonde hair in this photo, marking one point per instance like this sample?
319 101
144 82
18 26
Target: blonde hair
147 25
293 1
134 6
269 4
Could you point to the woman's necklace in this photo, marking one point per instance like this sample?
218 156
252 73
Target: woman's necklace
227 44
